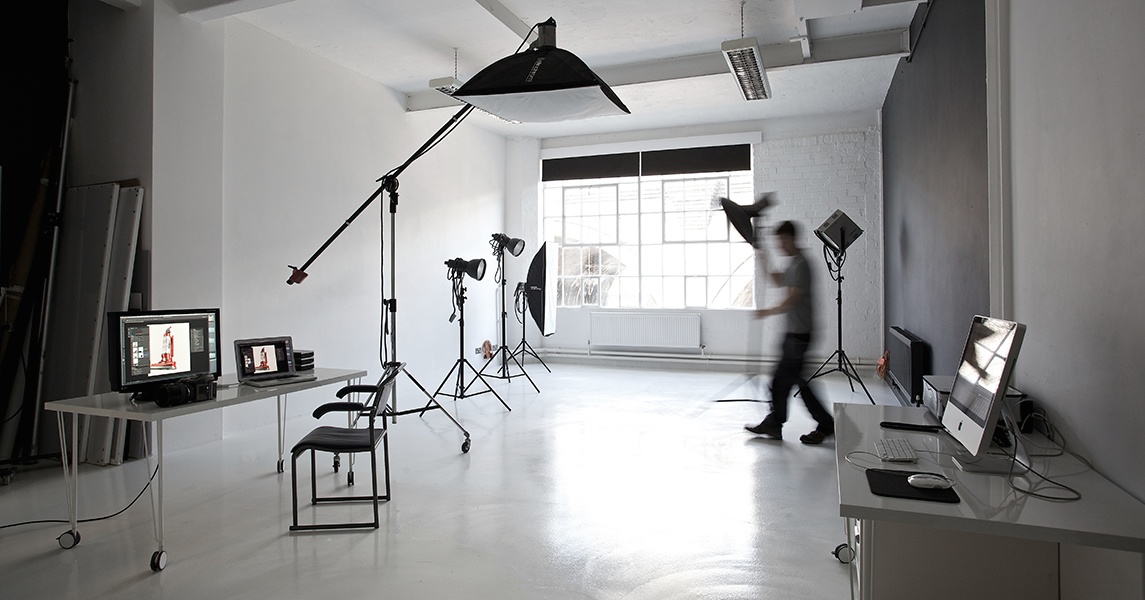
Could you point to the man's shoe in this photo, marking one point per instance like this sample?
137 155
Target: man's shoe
815 437
772 431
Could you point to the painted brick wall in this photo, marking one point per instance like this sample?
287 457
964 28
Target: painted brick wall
815 176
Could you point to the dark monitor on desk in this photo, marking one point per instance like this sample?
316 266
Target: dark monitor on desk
148 348
976 398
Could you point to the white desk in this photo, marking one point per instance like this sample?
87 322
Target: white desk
120 406
996 541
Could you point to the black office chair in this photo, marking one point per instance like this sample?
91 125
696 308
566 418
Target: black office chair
361 435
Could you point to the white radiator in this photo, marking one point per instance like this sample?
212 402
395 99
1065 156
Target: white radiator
644 330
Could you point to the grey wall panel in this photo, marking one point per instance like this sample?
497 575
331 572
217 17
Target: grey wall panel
935 183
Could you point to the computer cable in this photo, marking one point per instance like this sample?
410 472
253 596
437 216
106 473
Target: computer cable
90 519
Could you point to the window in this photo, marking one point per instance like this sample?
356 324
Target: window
649 241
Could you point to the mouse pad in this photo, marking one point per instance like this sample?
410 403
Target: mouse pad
893 484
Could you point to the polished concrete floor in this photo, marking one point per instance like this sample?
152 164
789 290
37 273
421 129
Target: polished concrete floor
611 483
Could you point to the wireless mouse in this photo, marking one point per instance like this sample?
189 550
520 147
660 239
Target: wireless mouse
928 481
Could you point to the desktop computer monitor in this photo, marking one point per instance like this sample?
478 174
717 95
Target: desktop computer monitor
976 398
148 348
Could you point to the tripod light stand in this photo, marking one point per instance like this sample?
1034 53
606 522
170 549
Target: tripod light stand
837 233
500 244
458 268
749 221
520 307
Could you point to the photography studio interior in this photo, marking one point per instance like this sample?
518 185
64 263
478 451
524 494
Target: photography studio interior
567 300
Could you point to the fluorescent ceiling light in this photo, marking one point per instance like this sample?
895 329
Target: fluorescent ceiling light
747 66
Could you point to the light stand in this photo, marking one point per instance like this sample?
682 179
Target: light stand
458 268
520 307
389 184
500 243
749 221
835 260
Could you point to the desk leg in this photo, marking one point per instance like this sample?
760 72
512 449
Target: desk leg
159 557
281 401
69 539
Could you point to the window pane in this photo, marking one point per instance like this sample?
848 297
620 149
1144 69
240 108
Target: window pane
674 259
674 228
568 290
552 229
652 292
570 261
651 228
629 292
609 292
574 230
591 261
742 292
629 260
608 229
629 229
695 259
718 226
609 260
553 203
695 291
719 259
590 292
674 292
651 200
590 230
652 260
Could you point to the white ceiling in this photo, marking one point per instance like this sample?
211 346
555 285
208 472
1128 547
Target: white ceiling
661 57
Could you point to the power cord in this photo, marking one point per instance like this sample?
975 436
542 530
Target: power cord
90 519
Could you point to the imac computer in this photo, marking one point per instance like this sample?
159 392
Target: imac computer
977 396
150 348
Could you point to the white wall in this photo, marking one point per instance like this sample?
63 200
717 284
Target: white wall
1078 134
814 174
304 143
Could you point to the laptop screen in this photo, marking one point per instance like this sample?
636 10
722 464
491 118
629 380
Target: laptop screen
264 358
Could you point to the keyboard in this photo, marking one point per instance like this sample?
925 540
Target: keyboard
895 450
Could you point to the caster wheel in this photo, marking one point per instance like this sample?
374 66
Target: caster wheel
69 539
158 560
337 463
844 553
350 478
465 446
280 467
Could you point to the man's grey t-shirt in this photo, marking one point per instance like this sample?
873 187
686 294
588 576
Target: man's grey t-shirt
798 275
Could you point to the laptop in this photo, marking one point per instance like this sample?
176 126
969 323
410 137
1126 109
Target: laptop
267 362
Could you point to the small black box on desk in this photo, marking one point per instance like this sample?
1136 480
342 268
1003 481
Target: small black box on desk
303 360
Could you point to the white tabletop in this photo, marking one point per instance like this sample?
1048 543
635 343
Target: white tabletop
120 406
1105 516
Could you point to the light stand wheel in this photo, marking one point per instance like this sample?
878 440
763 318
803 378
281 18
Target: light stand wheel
159 560
465 445
69 539
844 553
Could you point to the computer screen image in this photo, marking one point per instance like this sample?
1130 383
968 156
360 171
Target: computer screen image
980 385
149 348
264 357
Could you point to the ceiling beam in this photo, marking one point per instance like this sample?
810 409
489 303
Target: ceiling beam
506 17
209 10
124 4
775 56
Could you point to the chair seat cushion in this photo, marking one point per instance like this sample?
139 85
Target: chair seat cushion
336 439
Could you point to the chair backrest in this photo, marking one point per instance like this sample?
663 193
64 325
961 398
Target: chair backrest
384 390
